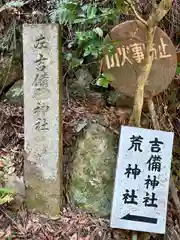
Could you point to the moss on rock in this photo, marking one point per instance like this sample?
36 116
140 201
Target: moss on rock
94 163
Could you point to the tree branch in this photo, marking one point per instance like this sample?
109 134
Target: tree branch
156 15
159 11
142 79
153 114
135 12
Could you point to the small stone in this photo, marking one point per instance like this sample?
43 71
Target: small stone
80 87
84 77
15 93
145 236
1 173
11 170
119 99
80 125
16 184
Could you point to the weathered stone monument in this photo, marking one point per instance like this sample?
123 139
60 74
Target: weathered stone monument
42 117
124 64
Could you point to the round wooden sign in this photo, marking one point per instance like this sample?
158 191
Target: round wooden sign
124 64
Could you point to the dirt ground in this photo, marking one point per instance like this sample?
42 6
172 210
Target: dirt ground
72 224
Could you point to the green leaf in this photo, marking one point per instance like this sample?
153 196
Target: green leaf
91 12
87 52
14 4
122 6
84 7
80 20
81 13
70 44
76 62
111 46
93 47
108 76
68 56
98 31
178 70
9 238
119 4
6 199
80 36
6 191
64 13
105 10
103 82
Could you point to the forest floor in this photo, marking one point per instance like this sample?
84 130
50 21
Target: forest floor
72 224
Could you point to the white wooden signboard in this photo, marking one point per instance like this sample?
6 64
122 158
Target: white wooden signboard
142 180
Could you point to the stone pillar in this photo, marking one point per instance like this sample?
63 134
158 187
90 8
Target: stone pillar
42 117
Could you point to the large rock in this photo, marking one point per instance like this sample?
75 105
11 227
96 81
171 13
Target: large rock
80 87
117 99
120 100
16 184
15 93
10 71
94 162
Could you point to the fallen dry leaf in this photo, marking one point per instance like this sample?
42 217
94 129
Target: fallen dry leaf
1 164
74 237
2 233
8 232
29 225
85 238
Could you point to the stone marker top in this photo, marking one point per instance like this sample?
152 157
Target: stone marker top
124 65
